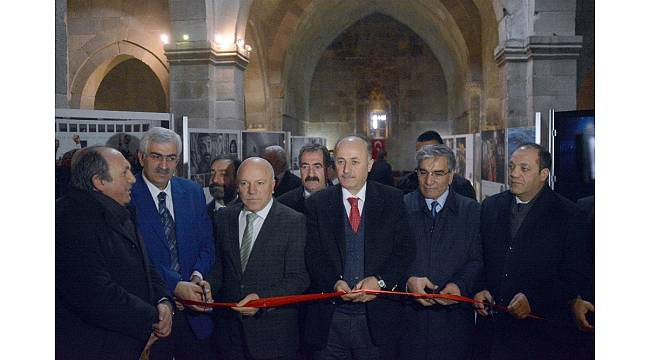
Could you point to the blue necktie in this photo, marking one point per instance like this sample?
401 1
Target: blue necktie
170 230
434 205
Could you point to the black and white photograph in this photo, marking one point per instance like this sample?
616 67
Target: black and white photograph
297 142
205 145
254 142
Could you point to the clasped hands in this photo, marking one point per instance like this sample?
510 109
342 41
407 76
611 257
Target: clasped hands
519 307
419 285
356 294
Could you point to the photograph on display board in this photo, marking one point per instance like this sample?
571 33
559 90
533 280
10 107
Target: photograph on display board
461 156
519 136
205 145
489 188
449 142
297 142
493 163
254 142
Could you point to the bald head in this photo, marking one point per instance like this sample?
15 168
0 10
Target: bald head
255 181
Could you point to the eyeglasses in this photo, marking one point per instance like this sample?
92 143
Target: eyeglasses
437 173
158 157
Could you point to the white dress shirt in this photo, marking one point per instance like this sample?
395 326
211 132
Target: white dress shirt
361 195
257 223
154 190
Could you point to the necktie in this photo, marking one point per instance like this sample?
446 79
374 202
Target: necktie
170 230
355 217
247 241
434 211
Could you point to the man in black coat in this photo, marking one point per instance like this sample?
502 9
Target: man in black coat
314 159
260 245
446 228
357 238
284 179
110 303
459 184
533 241
381 171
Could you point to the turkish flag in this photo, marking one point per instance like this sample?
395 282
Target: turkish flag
377 145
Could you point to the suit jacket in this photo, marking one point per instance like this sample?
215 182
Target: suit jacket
194 241
382 172
388 251
450 251
289 182
106 291
294 199
459 184
276 267
543 261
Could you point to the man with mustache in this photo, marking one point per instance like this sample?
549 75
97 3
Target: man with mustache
533 253
109 301
314 159
223 187
177 232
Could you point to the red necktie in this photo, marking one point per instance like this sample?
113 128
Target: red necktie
355 218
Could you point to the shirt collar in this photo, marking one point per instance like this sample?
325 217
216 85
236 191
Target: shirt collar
361 195
441 199
262 213
154 190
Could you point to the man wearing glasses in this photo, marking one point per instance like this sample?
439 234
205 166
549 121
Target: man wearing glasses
446 229
171 217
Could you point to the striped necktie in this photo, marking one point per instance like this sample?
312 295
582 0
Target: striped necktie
247 240
170 230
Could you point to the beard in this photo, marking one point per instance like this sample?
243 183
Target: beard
222 193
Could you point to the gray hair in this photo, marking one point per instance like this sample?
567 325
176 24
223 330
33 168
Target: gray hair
90 162
434 151
310 148
279 152
160 135
358 136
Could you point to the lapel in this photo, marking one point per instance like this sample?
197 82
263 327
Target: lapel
372 218
232 236
335 213
147 211
502 223
444 219
536 213
182 215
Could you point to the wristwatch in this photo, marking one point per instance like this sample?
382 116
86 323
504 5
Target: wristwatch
381 282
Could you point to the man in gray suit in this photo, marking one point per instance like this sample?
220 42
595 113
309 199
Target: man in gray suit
261 247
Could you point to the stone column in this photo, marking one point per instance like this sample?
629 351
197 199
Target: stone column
538 74
207 84
61 54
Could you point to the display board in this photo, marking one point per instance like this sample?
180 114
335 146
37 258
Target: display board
254 142
493 160
205 145
297 142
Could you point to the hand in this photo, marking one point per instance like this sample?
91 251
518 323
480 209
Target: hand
164 326
246 311
343 286
369 283
519 306
152 339
190 291
580 308
451 289
417 285
483 296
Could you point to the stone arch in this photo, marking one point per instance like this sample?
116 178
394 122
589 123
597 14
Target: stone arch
90 74
257 100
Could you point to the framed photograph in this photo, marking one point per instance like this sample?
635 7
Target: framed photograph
205 145
464 152
297 142
493 163
516 137
254 142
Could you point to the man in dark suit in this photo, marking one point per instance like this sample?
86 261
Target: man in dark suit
110 303
260 244
223 187
173 221
357 238
446 228
533 240
314 160
381 171
284 179
459 184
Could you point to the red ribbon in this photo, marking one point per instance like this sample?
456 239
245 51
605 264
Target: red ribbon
294 299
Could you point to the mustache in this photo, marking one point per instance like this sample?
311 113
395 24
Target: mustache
312 178
163 171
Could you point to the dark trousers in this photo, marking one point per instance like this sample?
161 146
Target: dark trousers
182 344
349 338
232 345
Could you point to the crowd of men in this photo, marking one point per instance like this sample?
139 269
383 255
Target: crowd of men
130 247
